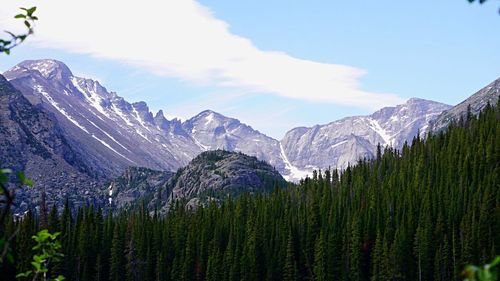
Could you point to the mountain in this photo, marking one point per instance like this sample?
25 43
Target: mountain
32 141
209 176
114 134
345 141
224 171
213 131
475 103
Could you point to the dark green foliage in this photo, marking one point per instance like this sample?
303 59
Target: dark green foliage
419 214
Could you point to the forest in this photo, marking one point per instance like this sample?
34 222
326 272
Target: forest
421 213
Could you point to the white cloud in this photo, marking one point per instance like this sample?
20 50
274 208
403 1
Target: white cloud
182 39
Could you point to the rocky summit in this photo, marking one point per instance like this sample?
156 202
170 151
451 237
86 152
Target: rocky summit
212 175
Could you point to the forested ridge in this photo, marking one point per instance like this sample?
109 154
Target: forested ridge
418 214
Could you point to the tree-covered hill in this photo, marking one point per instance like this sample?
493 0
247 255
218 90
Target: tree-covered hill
419 214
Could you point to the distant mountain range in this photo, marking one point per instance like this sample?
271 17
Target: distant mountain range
113 134
71 135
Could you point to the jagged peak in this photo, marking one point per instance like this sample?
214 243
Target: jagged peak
141 106
160 114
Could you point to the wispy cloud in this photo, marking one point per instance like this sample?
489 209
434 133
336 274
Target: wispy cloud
183 39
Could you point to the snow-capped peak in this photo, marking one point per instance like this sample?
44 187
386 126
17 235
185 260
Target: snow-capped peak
48 68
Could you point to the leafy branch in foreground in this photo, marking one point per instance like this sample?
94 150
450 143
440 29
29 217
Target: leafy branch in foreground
48 250
29 19
488 272
480 2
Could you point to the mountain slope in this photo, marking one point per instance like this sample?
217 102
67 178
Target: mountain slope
32 141
476 103
112 133
345 141
136 184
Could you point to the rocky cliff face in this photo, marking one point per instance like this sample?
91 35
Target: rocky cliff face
475 103
136 184
32 141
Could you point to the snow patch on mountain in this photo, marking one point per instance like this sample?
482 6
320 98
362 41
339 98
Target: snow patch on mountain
374 124
295 173
61 110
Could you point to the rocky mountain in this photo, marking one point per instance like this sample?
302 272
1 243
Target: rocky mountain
31 140
475 103
345 141
114 134
212 131
221 170
210 176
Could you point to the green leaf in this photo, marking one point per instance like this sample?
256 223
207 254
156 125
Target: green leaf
31 10
23 274
24 180
20 16
28 25
36 265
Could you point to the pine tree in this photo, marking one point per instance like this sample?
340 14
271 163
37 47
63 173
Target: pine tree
117 260
290 267
320 265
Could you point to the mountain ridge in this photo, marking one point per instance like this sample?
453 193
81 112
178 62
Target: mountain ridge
116 134
475 103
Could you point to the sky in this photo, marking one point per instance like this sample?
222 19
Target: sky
274 64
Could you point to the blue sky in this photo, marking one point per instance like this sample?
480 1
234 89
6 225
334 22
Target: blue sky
244 58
